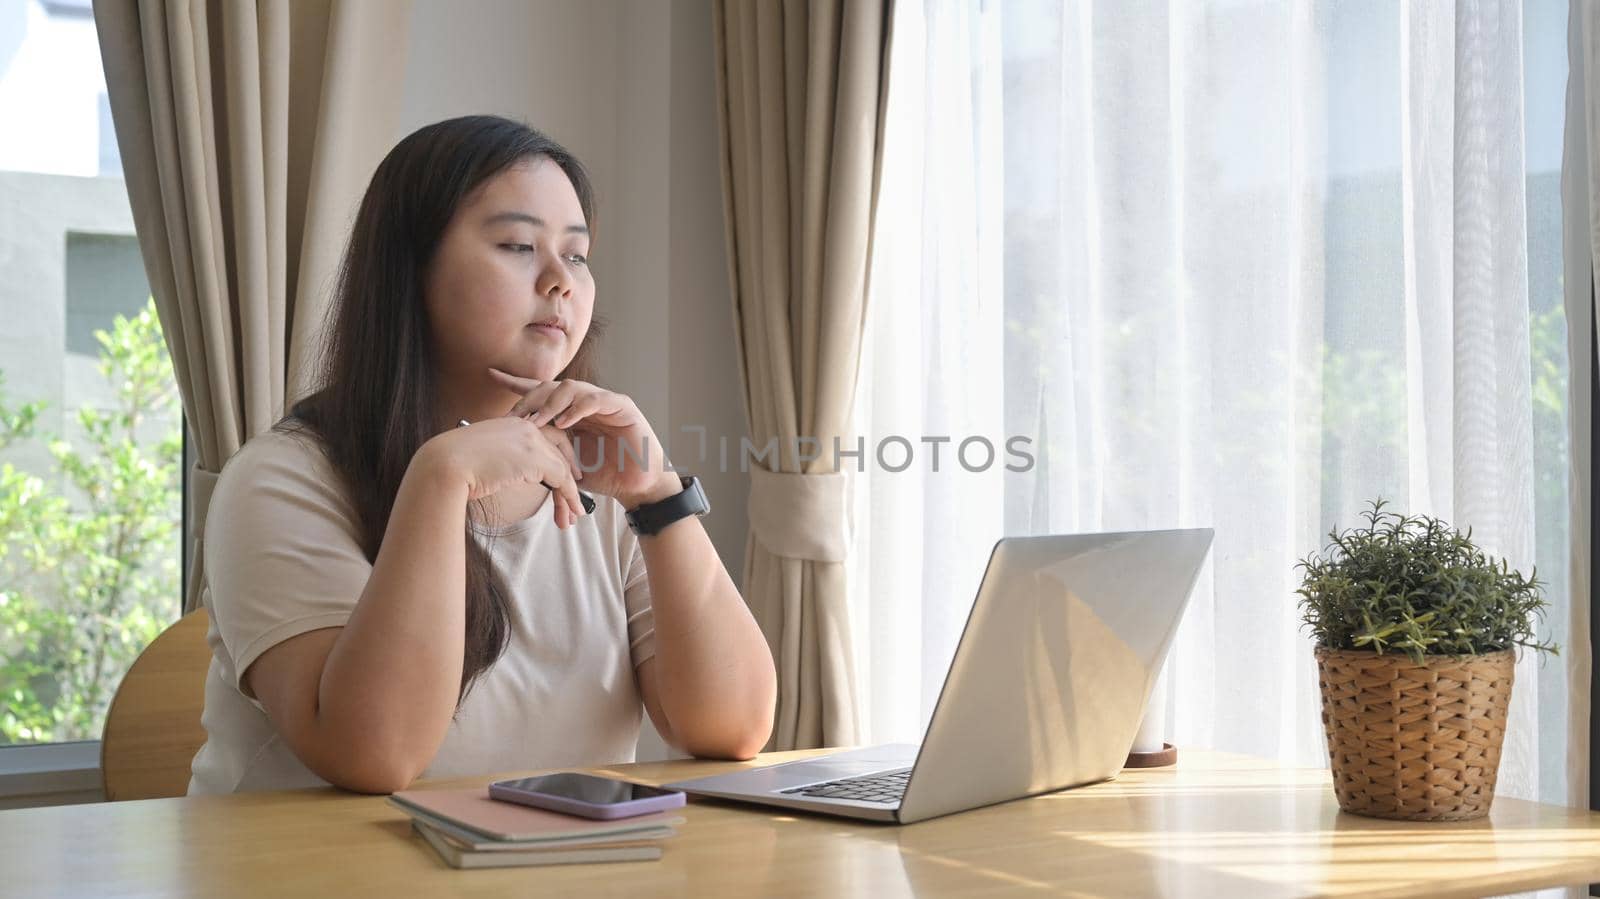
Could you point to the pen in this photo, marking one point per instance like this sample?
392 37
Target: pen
587 500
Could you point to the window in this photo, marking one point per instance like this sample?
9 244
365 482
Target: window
1246 264
90 422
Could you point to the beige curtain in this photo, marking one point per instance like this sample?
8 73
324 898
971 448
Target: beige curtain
248 131
799 89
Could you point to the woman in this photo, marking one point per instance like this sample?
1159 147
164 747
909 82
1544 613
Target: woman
395 595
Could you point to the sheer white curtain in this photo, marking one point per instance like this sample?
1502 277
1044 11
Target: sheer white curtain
1244 265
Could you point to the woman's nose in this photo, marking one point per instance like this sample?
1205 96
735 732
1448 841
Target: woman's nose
553 278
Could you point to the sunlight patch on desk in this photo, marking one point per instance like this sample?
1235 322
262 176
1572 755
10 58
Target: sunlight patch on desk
1382 857
1116 790
981 870
1437 837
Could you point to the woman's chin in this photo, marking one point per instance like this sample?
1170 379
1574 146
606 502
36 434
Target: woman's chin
542 370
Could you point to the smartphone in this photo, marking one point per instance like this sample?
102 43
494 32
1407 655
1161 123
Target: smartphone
586 795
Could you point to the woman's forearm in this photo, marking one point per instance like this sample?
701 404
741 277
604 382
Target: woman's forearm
714 673
390 684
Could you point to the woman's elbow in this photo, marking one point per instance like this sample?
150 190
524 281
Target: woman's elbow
726 749
724 739
374 780
370 769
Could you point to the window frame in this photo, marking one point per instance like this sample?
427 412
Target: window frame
1594 559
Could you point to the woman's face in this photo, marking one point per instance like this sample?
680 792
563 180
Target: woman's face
509 286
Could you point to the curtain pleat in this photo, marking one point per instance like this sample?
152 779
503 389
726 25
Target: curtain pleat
800 89
248 131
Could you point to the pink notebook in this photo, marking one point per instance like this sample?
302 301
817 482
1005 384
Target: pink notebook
474 810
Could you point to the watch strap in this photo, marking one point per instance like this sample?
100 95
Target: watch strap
650 518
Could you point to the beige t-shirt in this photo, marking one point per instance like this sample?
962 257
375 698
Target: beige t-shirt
282 558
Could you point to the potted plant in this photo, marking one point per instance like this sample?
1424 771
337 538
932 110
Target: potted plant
1416 632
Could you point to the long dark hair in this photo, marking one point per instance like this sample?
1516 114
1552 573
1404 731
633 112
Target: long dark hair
375 405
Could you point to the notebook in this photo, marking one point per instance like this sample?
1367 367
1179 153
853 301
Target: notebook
457 856
473 810
476 842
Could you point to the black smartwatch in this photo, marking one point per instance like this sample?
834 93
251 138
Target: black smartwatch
650 518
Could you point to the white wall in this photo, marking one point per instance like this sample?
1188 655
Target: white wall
704 388
629 88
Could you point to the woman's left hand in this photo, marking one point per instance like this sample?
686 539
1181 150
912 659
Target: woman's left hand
605 427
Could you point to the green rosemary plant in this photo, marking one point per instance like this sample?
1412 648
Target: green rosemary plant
1413 584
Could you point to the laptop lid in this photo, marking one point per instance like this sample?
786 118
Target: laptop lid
1059 655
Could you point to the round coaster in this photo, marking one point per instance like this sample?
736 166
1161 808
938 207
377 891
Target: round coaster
1167 756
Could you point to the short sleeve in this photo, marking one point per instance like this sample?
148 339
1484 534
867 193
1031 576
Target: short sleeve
636 597
282 555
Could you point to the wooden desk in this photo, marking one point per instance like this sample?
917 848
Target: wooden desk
1218 825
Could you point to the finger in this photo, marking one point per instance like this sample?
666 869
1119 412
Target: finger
555 402
533 391
513 382
558 504
558 479
569 492
563 513
565 446
585 406
563 442
589 448
533 399
557 398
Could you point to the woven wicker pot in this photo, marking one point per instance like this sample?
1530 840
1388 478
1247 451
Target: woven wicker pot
1415 742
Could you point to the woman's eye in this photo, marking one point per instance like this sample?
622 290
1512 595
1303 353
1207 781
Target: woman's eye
574 258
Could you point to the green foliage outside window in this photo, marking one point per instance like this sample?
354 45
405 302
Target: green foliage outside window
89 559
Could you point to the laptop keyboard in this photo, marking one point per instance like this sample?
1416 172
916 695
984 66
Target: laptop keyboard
888 787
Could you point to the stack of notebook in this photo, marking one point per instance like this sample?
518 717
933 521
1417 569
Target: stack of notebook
470 830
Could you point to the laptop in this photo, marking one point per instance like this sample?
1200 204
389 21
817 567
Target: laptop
1046 689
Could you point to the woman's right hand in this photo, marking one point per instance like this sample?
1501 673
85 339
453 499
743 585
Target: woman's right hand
497 453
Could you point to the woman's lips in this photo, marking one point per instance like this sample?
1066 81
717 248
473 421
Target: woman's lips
548 330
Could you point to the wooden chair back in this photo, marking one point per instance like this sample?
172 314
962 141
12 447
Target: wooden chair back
153 727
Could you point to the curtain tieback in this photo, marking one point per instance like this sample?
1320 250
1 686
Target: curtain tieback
800 516
201 485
